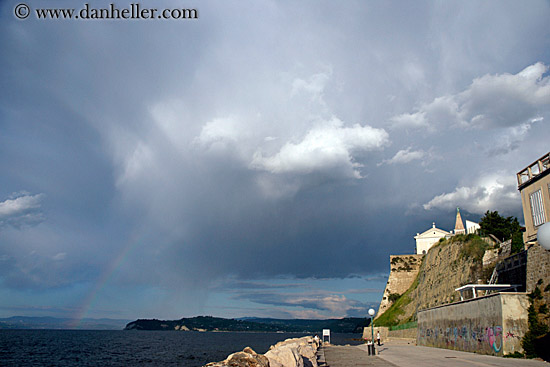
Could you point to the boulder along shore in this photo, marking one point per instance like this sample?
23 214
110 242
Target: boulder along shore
294 352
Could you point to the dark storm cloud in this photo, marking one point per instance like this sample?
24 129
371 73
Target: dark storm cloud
306 141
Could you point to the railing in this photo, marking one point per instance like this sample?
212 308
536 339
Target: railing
408 325
533 170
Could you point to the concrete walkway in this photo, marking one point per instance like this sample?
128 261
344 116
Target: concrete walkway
346 356
406 354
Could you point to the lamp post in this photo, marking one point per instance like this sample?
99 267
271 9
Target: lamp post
543 235
371 314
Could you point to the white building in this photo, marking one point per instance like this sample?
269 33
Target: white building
472 227
426 239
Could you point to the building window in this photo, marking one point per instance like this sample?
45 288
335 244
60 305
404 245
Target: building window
537 209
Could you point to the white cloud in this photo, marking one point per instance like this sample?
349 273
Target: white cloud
60 256
135 163
327 146
311 303
510 138
417 119
405 156
313 87
219 133
302 314
307 138
491 192
23 209
19 205
491 101
334 304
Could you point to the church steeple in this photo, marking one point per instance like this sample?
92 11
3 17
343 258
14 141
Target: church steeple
459 226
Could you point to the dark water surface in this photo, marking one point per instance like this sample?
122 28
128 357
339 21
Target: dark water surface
133 348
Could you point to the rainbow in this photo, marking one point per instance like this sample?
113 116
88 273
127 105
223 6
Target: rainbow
103 279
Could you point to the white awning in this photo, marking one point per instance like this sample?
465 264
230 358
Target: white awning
484 287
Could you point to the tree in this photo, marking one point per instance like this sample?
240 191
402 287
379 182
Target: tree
503 228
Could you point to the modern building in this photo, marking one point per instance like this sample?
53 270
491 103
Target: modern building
534 186
426 239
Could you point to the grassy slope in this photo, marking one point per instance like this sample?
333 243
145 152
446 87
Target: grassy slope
391 316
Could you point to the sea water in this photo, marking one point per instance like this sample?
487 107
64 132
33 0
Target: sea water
134 348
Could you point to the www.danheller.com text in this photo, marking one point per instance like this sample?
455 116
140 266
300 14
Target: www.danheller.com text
112 11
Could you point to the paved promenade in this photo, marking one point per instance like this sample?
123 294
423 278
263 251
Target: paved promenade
402 354
345 356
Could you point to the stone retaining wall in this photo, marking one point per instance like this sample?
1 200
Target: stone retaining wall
538 268
387 334
384 332
493 324
403 334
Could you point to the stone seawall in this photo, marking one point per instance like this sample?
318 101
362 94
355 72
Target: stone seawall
295 352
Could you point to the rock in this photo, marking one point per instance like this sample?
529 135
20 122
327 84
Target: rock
295 352
285 356
308 353
247 358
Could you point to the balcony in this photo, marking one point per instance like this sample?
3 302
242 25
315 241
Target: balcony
534 171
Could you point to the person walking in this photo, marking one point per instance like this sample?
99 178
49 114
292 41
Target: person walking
378 337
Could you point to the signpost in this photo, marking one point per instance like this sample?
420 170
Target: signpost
326 332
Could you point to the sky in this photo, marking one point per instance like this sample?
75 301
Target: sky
263 159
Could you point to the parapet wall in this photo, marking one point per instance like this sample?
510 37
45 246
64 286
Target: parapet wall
493 324
387 334
403 334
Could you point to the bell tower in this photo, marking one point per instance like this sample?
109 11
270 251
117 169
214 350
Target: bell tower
459 226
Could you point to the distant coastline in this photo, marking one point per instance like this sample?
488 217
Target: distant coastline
56 323
209 323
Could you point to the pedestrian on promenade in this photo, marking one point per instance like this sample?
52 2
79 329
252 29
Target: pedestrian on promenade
378 337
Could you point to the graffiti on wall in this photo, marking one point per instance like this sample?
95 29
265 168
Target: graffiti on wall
494 337
465 337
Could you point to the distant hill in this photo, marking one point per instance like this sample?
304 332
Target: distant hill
209 323
27 322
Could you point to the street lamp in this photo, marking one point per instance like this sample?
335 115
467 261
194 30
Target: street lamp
543 235
371 314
